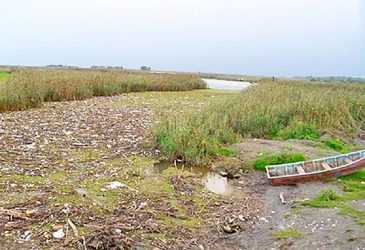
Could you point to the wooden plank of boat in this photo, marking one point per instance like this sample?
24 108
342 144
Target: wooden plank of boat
341 165
300 170
326 166
348 161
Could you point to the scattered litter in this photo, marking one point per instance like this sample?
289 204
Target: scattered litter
58 234
142 205
26 236
115 184
29 212
264 219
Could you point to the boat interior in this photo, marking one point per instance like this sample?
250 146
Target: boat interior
319 165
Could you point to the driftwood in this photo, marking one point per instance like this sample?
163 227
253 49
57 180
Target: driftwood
13 214
73 227
281 196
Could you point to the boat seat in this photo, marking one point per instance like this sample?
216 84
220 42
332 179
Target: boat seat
348 161
326 166
300 170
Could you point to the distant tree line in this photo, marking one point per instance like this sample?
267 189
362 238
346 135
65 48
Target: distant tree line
107 67
61 66
335 78
145 68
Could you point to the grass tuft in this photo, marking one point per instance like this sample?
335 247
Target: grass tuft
287 234
338 145
274 159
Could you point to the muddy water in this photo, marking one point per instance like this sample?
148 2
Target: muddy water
212 181
226 85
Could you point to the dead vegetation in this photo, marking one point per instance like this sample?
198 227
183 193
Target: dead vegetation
79 174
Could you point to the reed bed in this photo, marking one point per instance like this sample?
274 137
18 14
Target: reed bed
30 88
271 110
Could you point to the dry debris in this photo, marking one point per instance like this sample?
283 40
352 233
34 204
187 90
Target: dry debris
67 179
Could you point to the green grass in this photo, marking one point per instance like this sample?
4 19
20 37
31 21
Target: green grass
339 146
358 176
225 152
299 130
4 75
270 110
287 234
353 189
327 198
274 159
30 88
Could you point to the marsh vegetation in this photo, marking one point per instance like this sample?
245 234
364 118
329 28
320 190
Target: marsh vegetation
66 154
27 88
271 110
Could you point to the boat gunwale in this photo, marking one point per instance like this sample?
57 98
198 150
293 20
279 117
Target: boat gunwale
313 161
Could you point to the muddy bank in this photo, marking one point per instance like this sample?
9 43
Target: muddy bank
250 149
321 228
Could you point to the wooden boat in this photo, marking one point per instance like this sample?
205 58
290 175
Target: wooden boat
334 166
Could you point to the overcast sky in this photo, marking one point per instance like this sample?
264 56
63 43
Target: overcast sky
266 37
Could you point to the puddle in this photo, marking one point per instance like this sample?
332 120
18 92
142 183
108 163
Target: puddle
212 181
217 184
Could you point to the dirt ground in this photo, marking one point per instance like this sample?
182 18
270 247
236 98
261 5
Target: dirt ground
322 228
250 149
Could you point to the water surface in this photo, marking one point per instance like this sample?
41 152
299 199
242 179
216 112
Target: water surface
226 85
212 181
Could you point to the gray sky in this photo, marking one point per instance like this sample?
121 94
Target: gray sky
268 37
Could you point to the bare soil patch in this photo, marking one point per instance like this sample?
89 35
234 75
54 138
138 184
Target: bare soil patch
250 149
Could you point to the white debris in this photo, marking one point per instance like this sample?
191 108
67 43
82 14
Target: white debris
118 231
26 235
241 217
59 234
264 219
142 205
115 184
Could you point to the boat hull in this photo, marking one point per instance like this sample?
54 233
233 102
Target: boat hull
341 171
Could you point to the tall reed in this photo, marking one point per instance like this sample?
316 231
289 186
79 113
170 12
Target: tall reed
30 88
286 109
